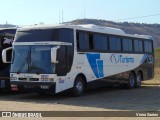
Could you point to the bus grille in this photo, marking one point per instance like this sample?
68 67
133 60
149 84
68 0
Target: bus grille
29 79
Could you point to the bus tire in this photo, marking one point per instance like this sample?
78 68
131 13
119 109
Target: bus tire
131 81
138 80
79 87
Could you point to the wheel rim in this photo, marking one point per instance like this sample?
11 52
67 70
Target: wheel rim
139 80
79 87
132 81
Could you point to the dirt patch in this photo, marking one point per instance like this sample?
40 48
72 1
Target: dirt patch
146 98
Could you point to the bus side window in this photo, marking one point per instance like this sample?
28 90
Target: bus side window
90 39
127 45
138 45
115 43
100 42
82 41
148 46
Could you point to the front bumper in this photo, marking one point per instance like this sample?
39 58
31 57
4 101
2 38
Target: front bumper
34 86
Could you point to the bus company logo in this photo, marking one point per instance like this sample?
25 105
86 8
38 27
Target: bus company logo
44 76
61 81
115 58
150 59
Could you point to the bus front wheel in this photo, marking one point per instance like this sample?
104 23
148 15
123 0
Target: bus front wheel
79 87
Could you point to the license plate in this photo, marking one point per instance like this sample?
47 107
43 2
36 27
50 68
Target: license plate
44 87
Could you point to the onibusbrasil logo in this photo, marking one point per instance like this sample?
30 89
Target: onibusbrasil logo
118 58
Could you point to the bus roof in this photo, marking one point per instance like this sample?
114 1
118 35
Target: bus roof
4 31
87 27
12 28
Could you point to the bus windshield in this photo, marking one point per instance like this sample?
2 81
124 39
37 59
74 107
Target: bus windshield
32 59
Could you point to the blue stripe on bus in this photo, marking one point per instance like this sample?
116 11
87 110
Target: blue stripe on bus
100 68
144 58
96 64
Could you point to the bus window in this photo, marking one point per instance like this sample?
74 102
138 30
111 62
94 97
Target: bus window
65 35
148 46
90 39
138 47
127 45
100 42
83 43
115 43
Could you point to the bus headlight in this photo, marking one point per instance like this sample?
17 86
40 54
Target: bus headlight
43 79
51 79
13 78
47 79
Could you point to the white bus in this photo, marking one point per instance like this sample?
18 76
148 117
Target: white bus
55 58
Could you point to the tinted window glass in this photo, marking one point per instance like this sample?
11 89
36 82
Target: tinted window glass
82 42
63 35
115 43
127 45
138 47
147 46
90 39
100 42
150 47
36 35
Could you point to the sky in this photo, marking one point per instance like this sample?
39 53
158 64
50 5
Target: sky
29 12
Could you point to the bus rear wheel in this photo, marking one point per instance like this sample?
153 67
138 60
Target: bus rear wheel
79 87
138 80
131 81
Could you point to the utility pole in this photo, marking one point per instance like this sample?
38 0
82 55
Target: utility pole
62 16
84 10
59 17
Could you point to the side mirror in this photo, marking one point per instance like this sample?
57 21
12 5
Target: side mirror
6 55
54 54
